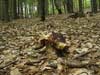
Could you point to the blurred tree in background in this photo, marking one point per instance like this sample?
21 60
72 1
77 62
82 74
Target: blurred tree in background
15 9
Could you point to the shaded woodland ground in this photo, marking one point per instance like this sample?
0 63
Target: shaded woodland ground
18 56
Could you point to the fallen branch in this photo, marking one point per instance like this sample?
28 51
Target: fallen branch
6 65
73 64
82 54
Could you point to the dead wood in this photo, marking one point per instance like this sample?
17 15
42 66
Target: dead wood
83 54
10 63
73 64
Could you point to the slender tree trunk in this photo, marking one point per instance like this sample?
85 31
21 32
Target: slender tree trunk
0 9
30 11
53 9
58 6
5 10
94 6
33 9
69 4
64 6
14 9
25 10
43 10
18 8
81 6
46 7
21 7
99 4
39 7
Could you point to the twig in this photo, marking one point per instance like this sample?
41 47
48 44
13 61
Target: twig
4 66
82 54
73 64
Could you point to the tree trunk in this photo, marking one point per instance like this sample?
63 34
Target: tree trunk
58 6
64 5
53 9
81 6
46 7
30 11
14 10
18 8
99 4
69 4
94 6
39 7
42 10
1 10
4 11
21 6
26 10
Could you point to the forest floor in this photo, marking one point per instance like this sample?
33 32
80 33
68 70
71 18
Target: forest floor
18 39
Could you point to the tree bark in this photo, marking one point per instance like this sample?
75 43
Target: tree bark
41 9
99 4
0 9
58 6
81 6
4 11
18 8
52 3
14 10
94 6
21 6
69 4
64 5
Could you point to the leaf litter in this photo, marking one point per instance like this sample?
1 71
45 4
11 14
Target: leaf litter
58 46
